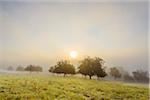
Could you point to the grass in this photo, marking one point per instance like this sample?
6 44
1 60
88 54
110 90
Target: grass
36 87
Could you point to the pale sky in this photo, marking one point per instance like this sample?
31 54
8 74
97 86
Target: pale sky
43 33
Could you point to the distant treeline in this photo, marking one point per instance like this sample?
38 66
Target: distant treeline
30 68
90 67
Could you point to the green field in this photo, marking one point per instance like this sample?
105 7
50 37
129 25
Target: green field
36 87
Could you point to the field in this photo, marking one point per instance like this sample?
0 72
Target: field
36 87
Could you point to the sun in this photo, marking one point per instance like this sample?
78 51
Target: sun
73 54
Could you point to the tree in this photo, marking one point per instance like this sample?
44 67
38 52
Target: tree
63 67
90 67
115 72
10 68
38 69
141 76
86 67
51 69
127 77
29 68
32 68
19 68
99 69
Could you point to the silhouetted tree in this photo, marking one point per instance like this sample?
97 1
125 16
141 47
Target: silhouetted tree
63 67
20 68
98 68
92 67
115 72
86 67
29 68
51 69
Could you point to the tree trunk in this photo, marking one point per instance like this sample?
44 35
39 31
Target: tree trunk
90 77
64 75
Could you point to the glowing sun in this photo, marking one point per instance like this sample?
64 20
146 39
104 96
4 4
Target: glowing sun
73 54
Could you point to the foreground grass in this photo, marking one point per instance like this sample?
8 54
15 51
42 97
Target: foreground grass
29 87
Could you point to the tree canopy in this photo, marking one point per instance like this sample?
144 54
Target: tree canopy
63 67
33 68
141 76
20 68
92 66
115 72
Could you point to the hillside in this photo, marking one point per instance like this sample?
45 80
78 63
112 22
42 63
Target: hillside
36 87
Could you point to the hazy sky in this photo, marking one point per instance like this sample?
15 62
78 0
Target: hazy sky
42 33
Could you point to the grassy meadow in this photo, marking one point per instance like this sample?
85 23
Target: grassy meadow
39 87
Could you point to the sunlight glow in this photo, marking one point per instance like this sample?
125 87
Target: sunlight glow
73 54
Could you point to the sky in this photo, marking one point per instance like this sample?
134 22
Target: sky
44 32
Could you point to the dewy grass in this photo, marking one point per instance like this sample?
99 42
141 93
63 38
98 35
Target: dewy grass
38 87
